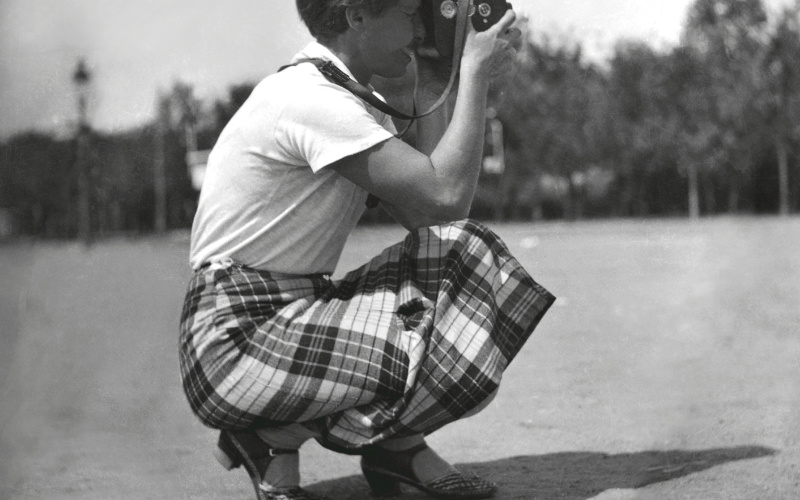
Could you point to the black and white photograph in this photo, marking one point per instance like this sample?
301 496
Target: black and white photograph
412 249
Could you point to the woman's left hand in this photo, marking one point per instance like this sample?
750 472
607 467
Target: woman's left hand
490 53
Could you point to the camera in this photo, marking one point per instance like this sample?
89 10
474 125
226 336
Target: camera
439 19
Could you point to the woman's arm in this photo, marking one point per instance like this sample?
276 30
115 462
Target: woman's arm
409 218
429 131
440 185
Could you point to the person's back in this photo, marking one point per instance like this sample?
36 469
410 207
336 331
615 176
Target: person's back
267 200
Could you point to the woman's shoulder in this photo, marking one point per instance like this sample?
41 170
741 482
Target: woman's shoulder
302 88
303 77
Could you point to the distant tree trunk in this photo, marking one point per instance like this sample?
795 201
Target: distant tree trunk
513 202
117 218
642 206
159 178
500 202
37 218
733 193
709 198
84 191
694 191
537 210
783 175
626 196
575 197
570 202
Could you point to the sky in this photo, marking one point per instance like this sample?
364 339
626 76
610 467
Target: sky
136 49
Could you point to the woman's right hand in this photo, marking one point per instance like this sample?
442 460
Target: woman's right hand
489 54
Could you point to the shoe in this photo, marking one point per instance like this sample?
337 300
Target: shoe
384 470
235 448
295 493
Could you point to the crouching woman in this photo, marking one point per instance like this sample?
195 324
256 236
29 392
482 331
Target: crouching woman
273 351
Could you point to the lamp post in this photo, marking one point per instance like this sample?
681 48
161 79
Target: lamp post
160 163
82 79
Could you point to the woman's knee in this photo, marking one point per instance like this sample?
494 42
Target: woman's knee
482 405
475 229
438 241
467 225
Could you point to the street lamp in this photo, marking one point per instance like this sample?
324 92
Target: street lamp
82 79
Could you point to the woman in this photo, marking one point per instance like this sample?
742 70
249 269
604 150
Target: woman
273 352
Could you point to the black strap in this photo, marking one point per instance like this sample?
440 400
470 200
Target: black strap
339 77
334 74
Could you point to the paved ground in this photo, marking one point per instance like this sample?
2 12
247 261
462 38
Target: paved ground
669 368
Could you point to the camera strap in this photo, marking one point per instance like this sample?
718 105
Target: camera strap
339 77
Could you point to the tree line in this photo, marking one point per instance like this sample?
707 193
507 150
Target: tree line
709 126
706 127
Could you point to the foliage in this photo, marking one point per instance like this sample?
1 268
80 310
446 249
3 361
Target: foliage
708 126
36 183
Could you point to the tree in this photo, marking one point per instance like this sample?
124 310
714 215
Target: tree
175 134
781 104
728 36
644 115
38 185
553 107
225 109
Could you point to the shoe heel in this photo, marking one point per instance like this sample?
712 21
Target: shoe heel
381 484
225 453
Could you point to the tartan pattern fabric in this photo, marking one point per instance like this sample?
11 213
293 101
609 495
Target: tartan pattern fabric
412 340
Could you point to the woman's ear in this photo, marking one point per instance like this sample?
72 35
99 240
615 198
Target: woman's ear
355 18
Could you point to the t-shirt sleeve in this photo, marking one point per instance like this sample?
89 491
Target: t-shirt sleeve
326 125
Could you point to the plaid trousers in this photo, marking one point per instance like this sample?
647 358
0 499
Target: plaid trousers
410 341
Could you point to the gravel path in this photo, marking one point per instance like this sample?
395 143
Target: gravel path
669 368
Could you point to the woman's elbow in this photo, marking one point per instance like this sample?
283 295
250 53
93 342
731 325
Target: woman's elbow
451 206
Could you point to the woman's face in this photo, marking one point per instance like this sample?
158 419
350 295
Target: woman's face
388 40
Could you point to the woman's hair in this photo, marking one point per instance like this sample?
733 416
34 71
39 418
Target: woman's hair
326 18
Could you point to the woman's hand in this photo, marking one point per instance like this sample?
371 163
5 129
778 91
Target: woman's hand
489 54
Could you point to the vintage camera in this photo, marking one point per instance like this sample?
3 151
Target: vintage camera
439 18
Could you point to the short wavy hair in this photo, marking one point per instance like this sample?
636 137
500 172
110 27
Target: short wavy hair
326 18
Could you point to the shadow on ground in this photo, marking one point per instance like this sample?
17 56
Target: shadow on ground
572 475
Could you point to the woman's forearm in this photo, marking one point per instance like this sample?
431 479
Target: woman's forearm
439 180
457 156
431 128
456 160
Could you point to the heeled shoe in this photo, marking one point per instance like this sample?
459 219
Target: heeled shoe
242 448
384 470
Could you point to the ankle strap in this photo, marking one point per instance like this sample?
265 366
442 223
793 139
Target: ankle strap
276 451
249 444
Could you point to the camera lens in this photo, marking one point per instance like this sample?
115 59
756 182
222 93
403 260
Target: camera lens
448 9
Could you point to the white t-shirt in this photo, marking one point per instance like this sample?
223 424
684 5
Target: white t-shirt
267 199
